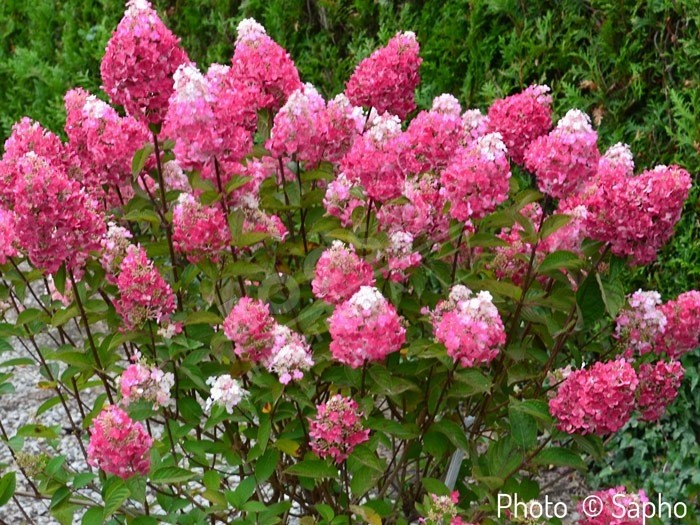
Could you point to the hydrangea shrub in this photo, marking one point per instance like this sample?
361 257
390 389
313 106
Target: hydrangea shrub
262 306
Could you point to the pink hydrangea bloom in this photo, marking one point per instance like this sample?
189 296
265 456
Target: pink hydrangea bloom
28 136
260 62
290 356
300 128
174 177
345 123
56 221
150 383
337 428
340 272
682 332
209 117
114 247
433 138
375 159
139 62
521 118
251 327
658 387
339 201
596 401
442 509
641 322
366 327
566 158
118 445
8 237
618 158
399 256
103 142
617 507
636 215
200 232
469 326
421 214
476 181
387 79
143 293
225 392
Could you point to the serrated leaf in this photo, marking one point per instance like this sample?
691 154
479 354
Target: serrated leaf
140 158
8 483
559 457
167 475
114 495
312 468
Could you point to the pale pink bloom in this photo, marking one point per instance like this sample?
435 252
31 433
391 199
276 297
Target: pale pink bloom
339 200
641 322
290 357
225 392
150 383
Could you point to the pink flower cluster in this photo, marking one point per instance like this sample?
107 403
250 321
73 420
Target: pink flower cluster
366 327
143 293
442 509
636 215
56 221
260 62
118 445
469 326
115 244
300 128
433 138
597 401
375 159
339 200
8 237
290 357
211 117
340 272
400 256
251 327
387 79
150 383
658 388
565 159
200 232
103 142
641 322
476 181
521 118
139 62
617 507
345 123
337 428
682 332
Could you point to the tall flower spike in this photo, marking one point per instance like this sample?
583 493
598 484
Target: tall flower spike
139 62
259 61
200 232
340 272
658 387
387 79
337 428
250 325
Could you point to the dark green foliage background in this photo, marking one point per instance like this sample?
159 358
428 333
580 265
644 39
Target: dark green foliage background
633 65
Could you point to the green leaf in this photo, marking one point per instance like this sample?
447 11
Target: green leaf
363 479
553 223
453 432
560 260
167 475
590 300
38 431
523 429
242 493
64 315
435 486
8 483
266 464
93 516
400 430
140 158
203 317
312 468
114 495
559 457
537 408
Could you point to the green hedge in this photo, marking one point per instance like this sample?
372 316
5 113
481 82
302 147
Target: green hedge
632 65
